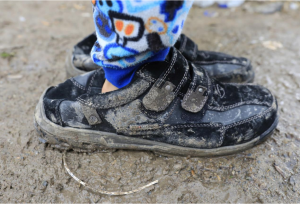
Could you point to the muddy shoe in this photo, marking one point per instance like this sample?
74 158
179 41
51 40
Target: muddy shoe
223 67
170 107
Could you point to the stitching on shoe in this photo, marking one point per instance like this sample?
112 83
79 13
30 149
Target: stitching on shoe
212 62
194 125
169 69
252 102
239 84
249 119
223 108
77 84
171 127
92 81
187 95
183 78
180 94
171 111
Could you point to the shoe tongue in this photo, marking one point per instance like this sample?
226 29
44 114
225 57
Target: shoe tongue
187 47
90 81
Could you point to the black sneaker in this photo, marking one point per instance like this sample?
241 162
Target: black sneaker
223 67
170 107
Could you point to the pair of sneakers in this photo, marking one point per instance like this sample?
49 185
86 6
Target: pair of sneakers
194 103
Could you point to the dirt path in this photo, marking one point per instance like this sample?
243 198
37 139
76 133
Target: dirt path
39 35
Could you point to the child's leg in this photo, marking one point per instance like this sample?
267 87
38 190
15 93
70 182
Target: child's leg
131 33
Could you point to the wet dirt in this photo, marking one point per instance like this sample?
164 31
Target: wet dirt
34 40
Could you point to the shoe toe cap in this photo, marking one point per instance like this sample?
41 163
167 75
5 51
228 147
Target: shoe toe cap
65 113
55 96
260 124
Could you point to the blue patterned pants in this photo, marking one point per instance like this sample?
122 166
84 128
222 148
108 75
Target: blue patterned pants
133 32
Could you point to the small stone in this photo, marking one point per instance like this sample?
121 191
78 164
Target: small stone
219 178
193 173
200 90
168 87
262 185
177 167
272 45
45 183
17 76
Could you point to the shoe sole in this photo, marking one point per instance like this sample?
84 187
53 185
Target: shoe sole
81 140
73 71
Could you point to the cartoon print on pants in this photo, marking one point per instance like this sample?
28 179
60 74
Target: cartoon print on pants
127 28
128 37
102 21
108 5
154 42
157 25
170 9
103 26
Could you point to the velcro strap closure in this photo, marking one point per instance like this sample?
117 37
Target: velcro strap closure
198 92
167 86
159 98
188 48
91 115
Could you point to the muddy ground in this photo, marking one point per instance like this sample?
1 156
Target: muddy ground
34 40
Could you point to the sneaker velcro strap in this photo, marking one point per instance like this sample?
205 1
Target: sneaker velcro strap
167 86
91 115
198 92
188 48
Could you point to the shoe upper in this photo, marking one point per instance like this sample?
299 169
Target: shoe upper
81 54
172 101
223 67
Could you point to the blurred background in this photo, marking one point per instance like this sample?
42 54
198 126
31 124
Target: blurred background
35 37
